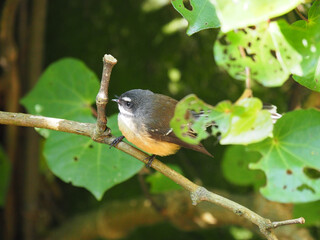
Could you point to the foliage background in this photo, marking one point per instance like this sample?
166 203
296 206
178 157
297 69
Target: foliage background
147 57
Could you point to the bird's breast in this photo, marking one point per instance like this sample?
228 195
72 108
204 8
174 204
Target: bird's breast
138 135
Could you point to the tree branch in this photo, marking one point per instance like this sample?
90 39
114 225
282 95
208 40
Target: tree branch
102 97
198 193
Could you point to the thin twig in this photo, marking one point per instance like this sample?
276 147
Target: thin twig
102 97
300 220
301 15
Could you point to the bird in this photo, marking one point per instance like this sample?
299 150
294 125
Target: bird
144 120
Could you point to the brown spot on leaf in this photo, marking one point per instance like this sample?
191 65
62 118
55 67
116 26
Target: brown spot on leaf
289 172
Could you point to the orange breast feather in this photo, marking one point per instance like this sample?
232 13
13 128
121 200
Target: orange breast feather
144 142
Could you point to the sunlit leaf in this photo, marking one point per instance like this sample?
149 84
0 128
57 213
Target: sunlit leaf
242 13
270 58
290 159
242 123
201 16
305 38
182 120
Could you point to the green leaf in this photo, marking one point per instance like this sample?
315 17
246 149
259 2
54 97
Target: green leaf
269 56
160 183
291 158
235 167
5 172
310 212
239 14
248 123
304 37
182 121
202 16
85 163
242 123
66 90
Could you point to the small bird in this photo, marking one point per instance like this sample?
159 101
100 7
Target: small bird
144 119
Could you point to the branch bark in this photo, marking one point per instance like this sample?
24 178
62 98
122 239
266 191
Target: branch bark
197 192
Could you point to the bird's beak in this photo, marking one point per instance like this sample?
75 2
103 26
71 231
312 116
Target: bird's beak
115 100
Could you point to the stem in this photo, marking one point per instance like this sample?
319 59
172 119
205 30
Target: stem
102 97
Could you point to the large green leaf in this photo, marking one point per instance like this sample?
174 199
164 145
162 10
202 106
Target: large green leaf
88 164
305 38
242 13
291 158
66 90
5 170
242 123
202 16
266 52
235 166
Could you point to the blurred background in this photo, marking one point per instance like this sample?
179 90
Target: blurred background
153 51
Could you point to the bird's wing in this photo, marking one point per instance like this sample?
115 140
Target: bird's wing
159 128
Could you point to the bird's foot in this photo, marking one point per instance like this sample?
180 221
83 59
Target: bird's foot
116 141
150 160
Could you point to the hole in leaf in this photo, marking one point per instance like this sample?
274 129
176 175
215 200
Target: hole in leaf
273 53
252 27
243 30
187 5
90 146
250 55
311 173
306 187
258 38
75 158
232 58
289 172
223 40
249 44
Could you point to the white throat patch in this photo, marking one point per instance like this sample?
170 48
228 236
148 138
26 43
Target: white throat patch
125 112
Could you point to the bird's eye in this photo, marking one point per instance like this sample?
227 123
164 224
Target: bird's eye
129 104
